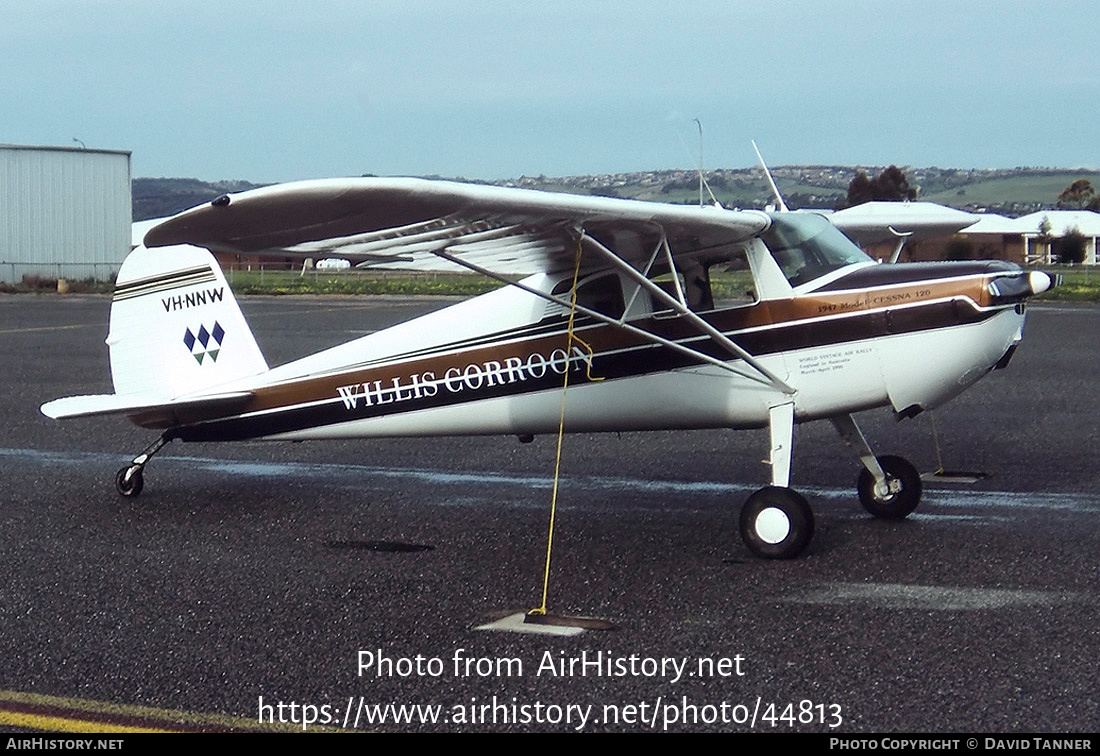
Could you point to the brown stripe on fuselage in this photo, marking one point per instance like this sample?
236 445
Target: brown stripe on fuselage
764 327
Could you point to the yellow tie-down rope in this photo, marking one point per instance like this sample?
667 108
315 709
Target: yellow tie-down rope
570 338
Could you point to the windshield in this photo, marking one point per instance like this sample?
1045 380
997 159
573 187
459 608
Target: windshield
807 246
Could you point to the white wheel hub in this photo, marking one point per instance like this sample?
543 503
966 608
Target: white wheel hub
772 525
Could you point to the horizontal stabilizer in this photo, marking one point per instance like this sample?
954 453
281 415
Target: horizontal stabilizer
135 404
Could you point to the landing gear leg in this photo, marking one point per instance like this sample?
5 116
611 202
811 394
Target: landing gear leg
129 480
776 522
889 487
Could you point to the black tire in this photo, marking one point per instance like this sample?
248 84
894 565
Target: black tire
131 487
776 523
896 505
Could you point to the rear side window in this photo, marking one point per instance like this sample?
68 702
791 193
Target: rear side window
602 293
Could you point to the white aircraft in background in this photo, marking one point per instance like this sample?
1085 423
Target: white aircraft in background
609 297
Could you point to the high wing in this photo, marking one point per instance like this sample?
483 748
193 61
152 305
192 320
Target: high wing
496 231
408 222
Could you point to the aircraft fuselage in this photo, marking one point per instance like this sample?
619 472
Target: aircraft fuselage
906 336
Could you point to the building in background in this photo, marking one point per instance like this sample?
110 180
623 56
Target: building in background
1034 239
65 212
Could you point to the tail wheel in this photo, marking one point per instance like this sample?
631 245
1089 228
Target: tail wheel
776 523
129 481
903 489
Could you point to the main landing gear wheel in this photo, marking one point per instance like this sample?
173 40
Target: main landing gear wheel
776 523
903 494
129 480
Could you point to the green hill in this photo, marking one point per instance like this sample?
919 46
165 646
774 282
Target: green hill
1027 188
1013 191
161 197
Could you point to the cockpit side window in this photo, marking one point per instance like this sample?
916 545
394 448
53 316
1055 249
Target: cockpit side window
807 246
699 293
694 281
707 282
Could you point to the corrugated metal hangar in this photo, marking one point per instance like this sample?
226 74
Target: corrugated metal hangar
64 212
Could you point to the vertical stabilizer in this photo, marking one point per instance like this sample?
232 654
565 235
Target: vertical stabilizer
175 327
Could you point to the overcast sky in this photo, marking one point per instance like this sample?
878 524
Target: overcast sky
274 91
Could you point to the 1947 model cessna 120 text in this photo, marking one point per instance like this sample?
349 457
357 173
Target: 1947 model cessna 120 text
616 305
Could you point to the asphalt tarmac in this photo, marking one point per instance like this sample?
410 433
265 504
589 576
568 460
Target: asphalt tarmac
339 575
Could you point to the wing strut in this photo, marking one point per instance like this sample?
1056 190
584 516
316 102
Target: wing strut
682 309
671 267
645 272
647 335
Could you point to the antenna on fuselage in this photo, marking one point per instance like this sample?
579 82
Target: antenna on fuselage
771 181
701 164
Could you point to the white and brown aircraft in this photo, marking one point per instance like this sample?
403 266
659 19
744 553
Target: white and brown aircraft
610 298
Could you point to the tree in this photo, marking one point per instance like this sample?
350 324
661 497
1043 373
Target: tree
1078 196
959 248
1070 249
1044 231
889 186
860 190
892 186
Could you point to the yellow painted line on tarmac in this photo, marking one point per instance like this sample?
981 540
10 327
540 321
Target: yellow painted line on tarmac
63 724
35 711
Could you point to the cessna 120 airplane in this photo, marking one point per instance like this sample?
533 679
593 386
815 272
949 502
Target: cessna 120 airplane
609 298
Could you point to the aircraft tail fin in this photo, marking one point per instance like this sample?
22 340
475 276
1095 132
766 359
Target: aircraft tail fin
176 329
